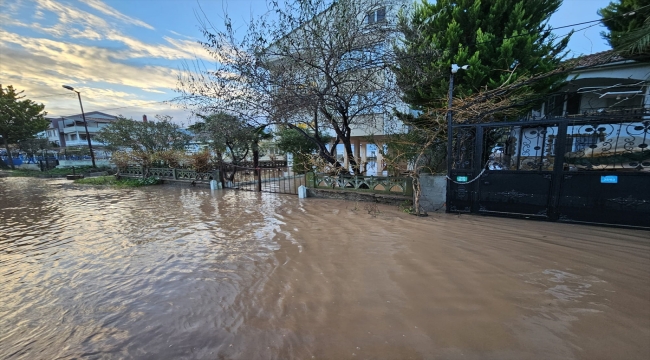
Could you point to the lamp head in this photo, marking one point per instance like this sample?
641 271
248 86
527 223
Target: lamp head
455 68
68 87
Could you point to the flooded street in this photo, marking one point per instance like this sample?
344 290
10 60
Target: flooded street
185 273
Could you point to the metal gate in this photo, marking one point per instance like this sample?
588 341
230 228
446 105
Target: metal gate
584 169
263 179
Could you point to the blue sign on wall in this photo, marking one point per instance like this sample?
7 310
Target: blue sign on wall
461 178
609 179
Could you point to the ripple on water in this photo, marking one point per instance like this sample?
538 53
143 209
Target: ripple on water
87 270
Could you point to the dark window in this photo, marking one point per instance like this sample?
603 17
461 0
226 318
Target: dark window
376 16
573 103
381 14
370 17
555 105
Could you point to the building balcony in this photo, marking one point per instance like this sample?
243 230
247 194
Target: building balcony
79 129
82 143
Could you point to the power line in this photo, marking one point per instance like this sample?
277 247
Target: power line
50 95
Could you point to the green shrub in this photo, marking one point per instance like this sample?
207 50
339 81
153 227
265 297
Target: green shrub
119 183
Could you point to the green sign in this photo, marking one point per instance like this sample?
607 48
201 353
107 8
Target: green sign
461 178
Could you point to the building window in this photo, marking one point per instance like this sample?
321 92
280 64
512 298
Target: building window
381 15
573 103
581 142
555 106
376 16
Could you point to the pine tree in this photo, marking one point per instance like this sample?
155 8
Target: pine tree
501 40
20 118
628 22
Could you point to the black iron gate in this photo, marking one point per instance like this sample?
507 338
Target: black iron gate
264 179
583 169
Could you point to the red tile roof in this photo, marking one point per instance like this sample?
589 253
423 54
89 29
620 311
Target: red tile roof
600 58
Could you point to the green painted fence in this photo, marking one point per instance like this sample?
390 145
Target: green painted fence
395 185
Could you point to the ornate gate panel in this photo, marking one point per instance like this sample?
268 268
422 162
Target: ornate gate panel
606 198
461 193
525 193
592 169
606 179
519 175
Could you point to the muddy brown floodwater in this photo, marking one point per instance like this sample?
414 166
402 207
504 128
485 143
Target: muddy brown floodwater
183 273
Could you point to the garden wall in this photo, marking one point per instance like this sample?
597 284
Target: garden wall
434 192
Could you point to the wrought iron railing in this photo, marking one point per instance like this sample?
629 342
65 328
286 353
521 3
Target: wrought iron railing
169 173
260 164
626 112
262 179
395 185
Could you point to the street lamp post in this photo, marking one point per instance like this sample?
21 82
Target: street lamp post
90 146
454 69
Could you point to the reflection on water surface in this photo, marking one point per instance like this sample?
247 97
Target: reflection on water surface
184 273
89 270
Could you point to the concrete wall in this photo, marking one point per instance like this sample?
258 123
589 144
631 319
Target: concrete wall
434 192
360 196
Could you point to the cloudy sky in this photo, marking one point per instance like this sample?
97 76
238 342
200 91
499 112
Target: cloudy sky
124 55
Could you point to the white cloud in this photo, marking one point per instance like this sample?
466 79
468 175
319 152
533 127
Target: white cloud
100 6
40 65
78 24
181 35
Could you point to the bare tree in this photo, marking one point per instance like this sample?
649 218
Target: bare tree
317 66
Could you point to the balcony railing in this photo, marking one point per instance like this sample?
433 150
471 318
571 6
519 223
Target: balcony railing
80 129
628 112
82 142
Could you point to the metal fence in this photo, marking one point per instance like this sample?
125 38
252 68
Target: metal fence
395 185
263 179
169 174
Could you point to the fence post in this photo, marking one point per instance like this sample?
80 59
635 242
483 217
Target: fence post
142 170
174 173
310 180
259 180
221 171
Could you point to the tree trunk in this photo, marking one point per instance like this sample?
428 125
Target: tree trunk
417 192
256 155
11 160
347 144
328 156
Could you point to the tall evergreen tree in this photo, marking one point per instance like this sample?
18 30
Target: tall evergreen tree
628 22
20 118
501 40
